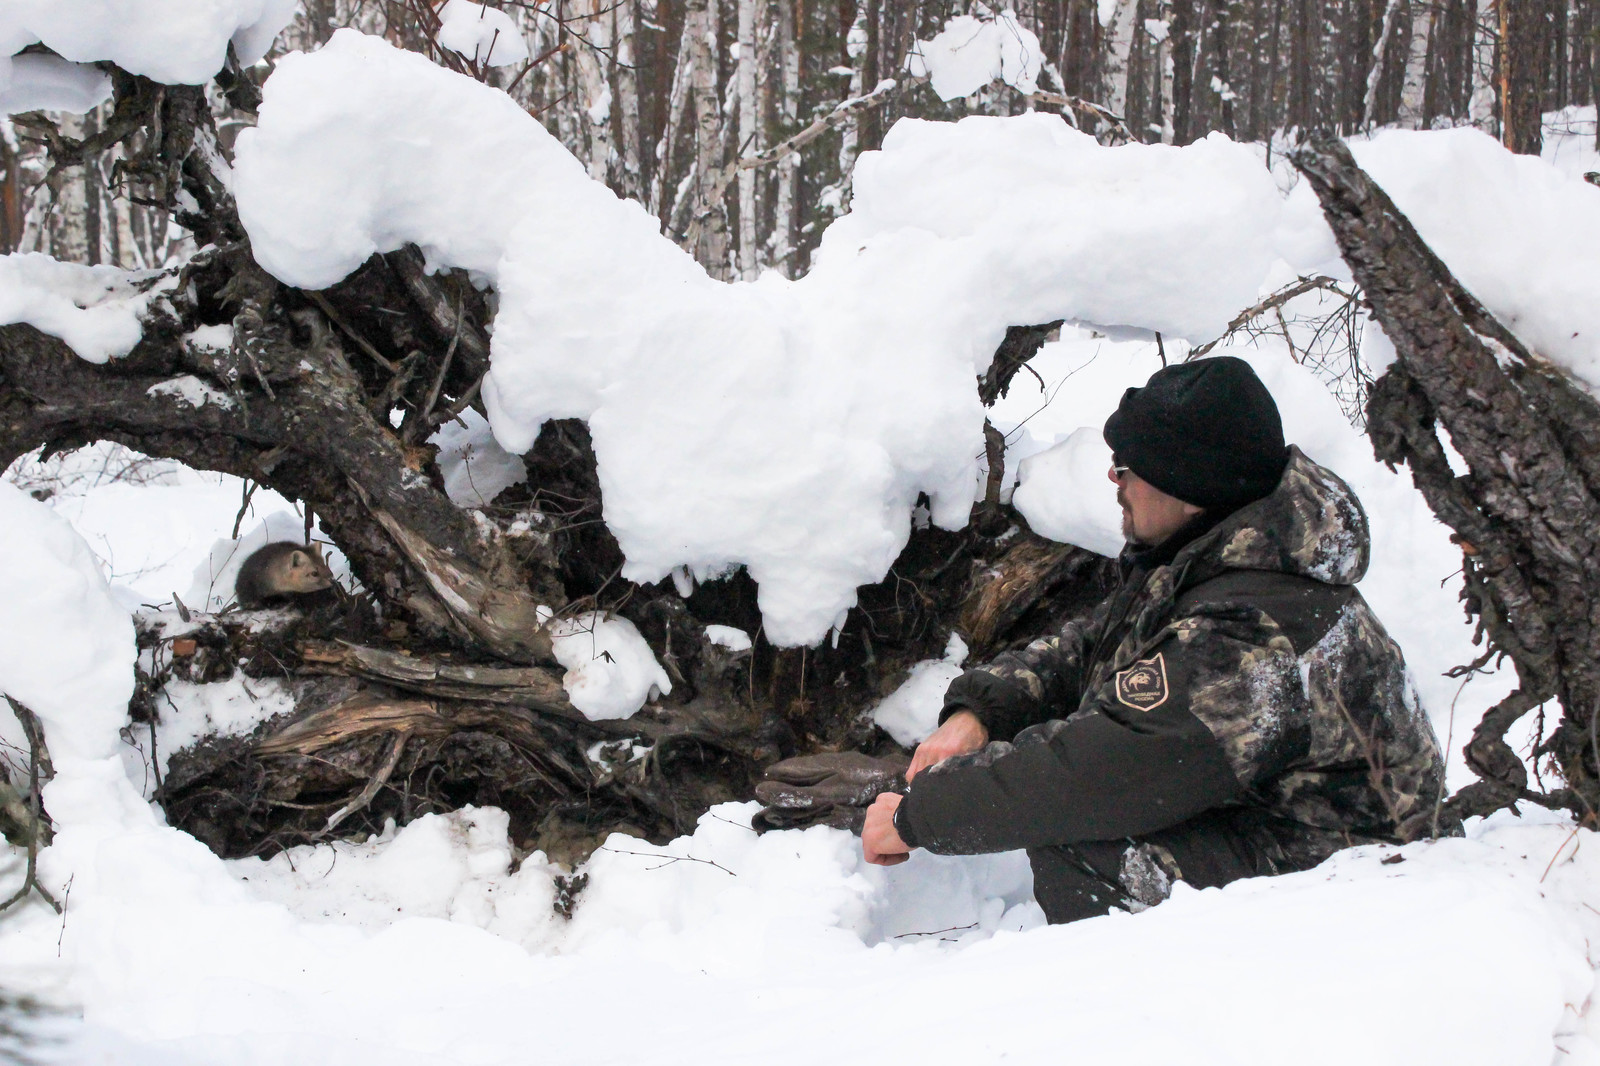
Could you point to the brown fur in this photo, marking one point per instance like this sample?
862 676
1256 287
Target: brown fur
278 570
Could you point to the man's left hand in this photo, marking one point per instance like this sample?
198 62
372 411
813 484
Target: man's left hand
880 840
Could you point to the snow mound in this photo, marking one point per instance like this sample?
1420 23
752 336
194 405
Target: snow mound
95 309
729 637
610 669
68 650
456 867
1064 494
785 426
191 712
970 52
911 712
172 41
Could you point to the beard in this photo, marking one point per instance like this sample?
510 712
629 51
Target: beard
1127 518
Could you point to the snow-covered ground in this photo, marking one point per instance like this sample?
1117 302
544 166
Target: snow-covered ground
431 944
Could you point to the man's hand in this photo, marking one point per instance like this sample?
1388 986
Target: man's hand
961 733
880 840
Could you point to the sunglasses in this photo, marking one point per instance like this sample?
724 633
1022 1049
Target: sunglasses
1118 469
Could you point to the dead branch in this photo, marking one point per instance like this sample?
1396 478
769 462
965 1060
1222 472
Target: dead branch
881 94
841 113
1085 107
1271 303
37 829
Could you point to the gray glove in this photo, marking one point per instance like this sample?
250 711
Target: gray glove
833 788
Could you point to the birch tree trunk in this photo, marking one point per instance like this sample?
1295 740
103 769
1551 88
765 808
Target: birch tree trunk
1369 104
661 202
1413 94
749 138
1116 65
711 247
92 196
594 90
626 76
783 249
850 131
1167 67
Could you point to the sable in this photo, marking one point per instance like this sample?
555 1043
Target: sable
278 571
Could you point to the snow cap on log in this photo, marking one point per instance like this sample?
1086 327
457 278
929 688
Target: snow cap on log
179 42
786 426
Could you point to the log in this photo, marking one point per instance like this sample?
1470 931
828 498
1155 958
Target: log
1527 515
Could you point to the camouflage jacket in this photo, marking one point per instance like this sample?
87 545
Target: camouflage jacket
1244 673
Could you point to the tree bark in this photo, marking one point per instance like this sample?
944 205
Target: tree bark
1528 514
749 138
1523 25
1413 91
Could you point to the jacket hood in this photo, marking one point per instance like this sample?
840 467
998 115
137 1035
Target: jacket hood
1311 525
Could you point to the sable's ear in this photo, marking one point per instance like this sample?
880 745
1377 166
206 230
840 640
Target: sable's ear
298 558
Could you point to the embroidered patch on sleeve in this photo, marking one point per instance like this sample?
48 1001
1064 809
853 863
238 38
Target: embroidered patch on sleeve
1143 686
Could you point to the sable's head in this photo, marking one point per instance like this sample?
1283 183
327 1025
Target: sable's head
295 569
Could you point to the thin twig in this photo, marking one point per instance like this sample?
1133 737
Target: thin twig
453 412
1272 302
936 932
670 859
344 327
444 365
249 490
1557 855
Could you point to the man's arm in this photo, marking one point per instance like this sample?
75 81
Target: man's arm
1021 688
1136 761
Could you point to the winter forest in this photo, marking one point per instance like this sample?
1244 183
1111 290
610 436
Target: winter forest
738 126
493 491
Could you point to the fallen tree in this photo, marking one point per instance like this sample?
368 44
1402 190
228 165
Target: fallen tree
1527 512
435 686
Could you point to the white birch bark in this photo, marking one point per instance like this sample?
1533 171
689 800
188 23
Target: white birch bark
838 197
749 133
677 105
789 165
1415 88
626 79
711 247
1120 37
1369 108
1164 58
594 93
63 219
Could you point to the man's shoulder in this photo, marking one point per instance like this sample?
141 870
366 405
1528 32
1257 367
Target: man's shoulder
1304 608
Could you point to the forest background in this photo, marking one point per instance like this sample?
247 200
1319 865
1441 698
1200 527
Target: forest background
689 105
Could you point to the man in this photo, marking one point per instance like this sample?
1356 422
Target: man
1233 709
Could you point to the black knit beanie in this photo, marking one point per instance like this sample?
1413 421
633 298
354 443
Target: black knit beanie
1206 432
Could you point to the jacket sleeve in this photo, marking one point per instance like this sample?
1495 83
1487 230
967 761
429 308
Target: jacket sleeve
1025 687
1134 760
